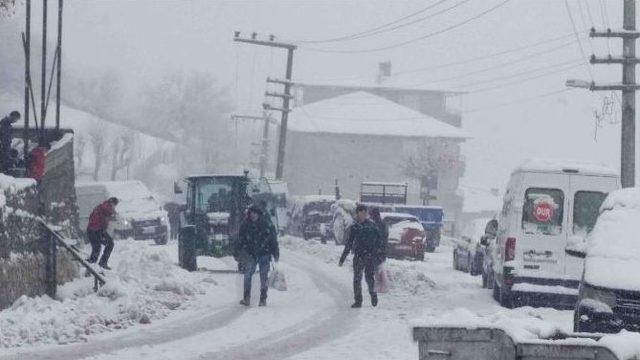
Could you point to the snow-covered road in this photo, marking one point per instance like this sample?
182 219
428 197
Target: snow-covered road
312 320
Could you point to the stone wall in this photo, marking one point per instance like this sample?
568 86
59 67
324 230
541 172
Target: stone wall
22 259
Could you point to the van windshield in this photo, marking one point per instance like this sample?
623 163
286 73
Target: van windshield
542 211
586 207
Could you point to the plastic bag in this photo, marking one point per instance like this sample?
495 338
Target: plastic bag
277 279
382 279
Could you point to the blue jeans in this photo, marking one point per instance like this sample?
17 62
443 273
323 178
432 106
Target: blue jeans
250 269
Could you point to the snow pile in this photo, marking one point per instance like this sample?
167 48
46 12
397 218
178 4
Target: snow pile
521 324
13 185
626 344
143 286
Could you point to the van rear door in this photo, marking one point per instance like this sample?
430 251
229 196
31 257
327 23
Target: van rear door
543 227
587 194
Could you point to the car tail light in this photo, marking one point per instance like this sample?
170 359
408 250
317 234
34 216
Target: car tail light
510 249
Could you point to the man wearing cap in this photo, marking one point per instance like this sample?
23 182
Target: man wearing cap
97 232
257 244
367 243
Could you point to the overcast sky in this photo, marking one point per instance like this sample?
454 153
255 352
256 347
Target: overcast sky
145 39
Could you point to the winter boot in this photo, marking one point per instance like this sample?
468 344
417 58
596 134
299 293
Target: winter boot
374 300
263 298
356 305
246 301
104 266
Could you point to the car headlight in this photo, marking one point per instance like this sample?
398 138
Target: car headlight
604 296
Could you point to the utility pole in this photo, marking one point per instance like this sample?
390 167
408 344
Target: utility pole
43 84
628 88
59 63
27 74
264 143
282 141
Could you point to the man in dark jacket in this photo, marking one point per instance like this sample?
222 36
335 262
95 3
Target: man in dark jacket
6 136
366 242
257 243
97 232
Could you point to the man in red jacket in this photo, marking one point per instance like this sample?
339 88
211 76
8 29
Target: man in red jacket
97 231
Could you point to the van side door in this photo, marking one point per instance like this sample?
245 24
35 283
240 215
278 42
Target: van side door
587 195
540 250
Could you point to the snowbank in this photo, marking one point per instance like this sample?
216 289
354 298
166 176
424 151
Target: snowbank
526 323
143 286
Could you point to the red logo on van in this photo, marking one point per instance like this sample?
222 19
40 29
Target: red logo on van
543 211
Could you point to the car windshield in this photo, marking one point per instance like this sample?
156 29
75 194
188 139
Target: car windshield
214 195
321 207
392 220
586 207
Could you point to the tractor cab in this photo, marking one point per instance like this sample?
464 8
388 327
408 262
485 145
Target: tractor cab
215 208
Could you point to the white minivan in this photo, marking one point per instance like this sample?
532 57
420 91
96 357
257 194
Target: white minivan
548 205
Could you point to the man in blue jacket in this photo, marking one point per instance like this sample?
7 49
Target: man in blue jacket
257 244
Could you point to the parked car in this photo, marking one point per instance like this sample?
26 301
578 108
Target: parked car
431 218
342 216
406 235
489 253
468 253
140 214
609 296
309 214
546 205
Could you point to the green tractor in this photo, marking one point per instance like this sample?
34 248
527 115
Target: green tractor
215 208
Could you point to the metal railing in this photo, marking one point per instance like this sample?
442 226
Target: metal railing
98 279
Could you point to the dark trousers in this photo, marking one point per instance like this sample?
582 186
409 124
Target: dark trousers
97 238
368 267
250 269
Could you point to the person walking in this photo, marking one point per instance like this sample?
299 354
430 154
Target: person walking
257 244
366 242
97 232
6 137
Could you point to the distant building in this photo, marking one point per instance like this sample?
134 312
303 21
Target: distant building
359 137
430 111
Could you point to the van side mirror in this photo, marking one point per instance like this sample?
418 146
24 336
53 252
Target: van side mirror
484 240
176 188
491 230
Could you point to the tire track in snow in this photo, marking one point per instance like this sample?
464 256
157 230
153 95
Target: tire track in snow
172 331
339 321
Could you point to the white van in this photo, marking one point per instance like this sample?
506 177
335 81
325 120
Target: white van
547 205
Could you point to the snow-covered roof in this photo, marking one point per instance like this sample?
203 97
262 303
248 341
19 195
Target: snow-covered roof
362 113
388 84
554 165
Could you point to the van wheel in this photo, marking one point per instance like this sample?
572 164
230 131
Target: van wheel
496 292
420 256
505 300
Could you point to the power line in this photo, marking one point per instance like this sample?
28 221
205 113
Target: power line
518 101
380 27
584 23
575 32
504 64
520 81
605 21
414 21
426 36
573 62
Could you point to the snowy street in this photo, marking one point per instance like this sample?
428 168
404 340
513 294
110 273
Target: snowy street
312 320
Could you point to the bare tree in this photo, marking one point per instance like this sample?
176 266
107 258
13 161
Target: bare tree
122 151
97 136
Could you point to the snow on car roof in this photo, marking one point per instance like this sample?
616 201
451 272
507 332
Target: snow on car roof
554 165
397 214
362 113
613 246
